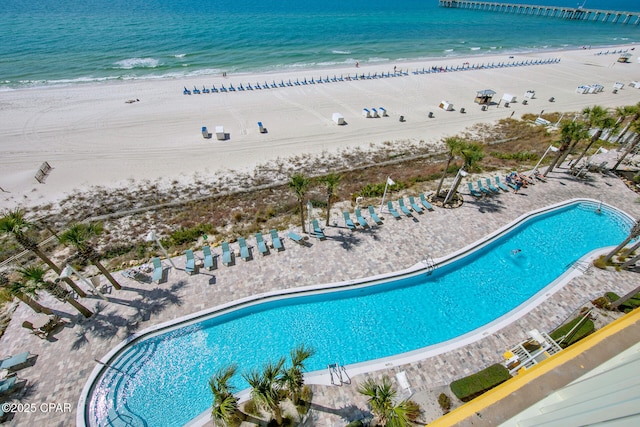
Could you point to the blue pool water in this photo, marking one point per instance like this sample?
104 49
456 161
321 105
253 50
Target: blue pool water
167 374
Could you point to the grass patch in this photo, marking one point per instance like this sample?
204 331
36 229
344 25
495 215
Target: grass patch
474 385
586 328
188 235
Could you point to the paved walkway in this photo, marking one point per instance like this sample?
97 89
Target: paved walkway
64 363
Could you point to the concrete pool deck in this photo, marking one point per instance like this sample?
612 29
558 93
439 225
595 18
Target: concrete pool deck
64 364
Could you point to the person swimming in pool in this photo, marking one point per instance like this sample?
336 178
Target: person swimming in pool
516 251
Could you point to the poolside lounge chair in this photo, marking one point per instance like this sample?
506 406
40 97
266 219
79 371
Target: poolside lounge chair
392 210
317 230
7 385
481 188
244 250
363 222
501 185
348 222
275 240
403 208
473 191
491 186
375 218
295 237
405 388
157 270
190 266
425 202
16 362
262 246
226 253
414 206
208 258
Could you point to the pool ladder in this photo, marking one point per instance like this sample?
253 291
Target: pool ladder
581 266
338 374
430 264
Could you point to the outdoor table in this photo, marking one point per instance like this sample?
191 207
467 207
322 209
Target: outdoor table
40 321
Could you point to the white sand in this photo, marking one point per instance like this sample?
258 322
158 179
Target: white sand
91 136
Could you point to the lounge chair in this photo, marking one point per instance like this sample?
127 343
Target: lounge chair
405 388
262 246
363 222
295 237
491 186
190 266
473 191
392 210
15 363
481 188
208 258
403 208
226 253
7 385
501 185
425 202
511 184
244 250
275 240
317 230
158 270
414 206
375 218
348 222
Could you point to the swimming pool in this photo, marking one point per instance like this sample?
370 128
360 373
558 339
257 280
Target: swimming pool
167 371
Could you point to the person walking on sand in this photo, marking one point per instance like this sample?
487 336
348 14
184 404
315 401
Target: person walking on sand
357 64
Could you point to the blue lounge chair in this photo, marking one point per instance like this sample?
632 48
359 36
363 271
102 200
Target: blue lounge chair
511 184
405 210
295 237
190 266
363 222
244 250
414 205
262 246
501 185
392 210
317 230
425 202
157 270
481 188
374 217
348 222
226 253
275 240
473 191
7 384
491 187
208 258
16 362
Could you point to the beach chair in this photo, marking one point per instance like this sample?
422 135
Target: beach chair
405 388
405 210
481 188
226 253
491 187
501 185
473 191
414 205
7 385
511 184
190 265
375 218
348 222
262 246
15 363
425 202
392 210
317 230
261 128
244 250
276 243
208 258
295 237
366 113
157 270
363 222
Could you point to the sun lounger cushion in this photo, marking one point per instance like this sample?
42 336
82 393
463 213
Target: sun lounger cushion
275 240
14 362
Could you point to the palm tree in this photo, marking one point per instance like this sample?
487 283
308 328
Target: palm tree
294 377
25 292
631 146
624 112
471 153
454 145
635 232
331 182
593 115
35 275
14 222
617 303
602 123
299 183
265 388
381 400
225 410
78 235
569 131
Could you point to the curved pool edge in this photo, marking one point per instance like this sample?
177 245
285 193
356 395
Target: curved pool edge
318 377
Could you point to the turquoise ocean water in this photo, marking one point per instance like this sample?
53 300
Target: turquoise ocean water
44 42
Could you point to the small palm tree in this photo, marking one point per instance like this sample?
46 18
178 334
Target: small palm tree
635 232
631 146
79 235
471 153
454 145
331 182
293 377
381 400
266 388
592 115
225 410
25 292
35 276
299 183
569 131
14 222
632 111
602 122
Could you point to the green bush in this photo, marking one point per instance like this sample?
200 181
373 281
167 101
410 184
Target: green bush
445 402
377 190
188 235
520 156
586 328
356 423
474 385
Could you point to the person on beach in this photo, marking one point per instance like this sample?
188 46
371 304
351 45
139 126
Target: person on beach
357 64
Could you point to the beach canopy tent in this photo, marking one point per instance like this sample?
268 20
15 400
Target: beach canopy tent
624 58
337 118
484 96
635 84
446 106
507 97
618 85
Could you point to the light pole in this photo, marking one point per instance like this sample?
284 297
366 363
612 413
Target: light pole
309 207
461 173
551 148
151 237
67 271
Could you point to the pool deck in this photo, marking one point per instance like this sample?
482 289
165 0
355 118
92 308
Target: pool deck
64 363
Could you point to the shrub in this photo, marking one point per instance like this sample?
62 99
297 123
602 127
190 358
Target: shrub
356 423
601 302
377 190
251 408
586 328
413 410
445 402
188 235
305 400
474 385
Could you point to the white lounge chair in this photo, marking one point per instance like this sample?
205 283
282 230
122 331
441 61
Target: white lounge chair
405 388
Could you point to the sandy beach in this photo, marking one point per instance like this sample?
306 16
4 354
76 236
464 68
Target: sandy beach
91 136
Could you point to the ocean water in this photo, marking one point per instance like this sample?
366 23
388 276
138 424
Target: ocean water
44 42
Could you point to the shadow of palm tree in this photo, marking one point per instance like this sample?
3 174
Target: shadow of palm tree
349 240
348 413
488 205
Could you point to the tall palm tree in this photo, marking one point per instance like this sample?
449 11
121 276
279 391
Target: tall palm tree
35 275
632 111
592 115
78 235
299 183
602 123
471 153
631 146
635 232
331 182
454 145
293 377
25 292
14 222
266 388
225 410
617 303
381 400
569 131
